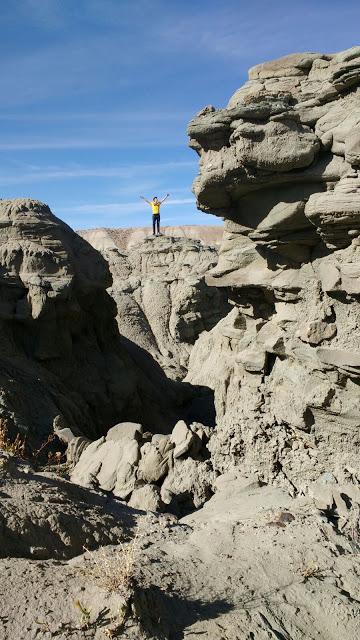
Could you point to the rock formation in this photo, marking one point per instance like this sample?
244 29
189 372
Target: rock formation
125 238
282 164
43 516
151 472
163 302
61 353
273 552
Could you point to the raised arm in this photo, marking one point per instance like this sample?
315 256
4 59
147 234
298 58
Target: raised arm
142 198
166 197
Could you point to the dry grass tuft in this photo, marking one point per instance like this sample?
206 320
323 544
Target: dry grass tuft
84 614
117 571
310 570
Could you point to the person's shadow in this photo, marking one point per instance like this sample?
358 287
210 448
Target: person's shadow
166 616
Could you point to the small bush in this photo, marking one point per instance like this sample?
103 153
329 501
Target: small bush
12 447
117 571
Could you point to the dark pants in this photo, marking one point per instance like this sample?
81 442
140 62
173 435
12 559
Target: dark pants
156 221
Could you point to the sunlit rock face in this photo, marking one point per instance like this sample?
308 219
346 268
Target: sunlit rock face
163 302
281 164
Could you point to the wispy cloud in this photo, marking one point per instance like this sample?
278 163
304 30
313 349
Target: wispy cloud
74 67
120 207
130 171
118 116
260 30
83 143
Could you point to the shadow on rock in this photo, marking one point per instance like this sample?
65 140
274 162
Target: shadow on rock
45 517
166 616
192 403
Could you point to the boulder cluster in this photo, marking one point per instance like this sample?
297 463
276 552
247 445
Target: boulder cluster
152 472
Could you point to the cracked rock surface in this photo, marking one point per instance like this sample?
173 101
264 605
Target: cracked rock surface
281 163
158 285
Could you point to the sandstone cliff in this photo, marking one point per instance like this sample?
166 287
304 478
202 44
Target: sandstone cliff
158 284
281 163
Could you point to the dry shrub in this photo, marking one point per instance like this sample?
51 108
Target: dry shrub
14 447
38 452
310 570
117 571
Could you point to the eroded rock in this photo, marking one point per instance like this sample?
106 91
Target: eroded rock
163 302
61 348
280 164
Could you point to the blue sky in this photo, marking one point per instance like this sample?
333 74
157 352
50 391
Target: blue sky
96 94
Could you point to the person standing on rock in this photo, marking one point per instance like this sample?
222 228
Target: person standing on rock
155 205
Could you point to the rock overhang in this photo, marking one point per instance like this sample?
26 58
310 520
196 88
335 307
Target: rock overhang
287 142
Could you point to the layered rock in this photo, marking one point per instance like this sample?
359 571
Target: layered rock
163 302
281 164
61 353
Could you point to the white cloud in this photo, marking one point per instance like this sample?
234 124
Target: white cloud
120 207
84 143
40 174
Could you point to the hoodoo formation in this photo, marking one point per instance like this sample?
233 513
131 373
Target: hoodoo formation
281 163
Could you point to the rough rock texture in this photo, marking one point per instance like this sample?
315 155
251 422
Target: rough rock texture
125 238
61 352
163 302
254 563
43 516
281 164
152 472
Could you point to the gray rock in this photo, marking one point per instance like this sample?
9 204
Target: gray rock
182 439
62 352
188 485
43 516
110 465
125 431
154 463
283 363
75 448
317 331
146 498
163 302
